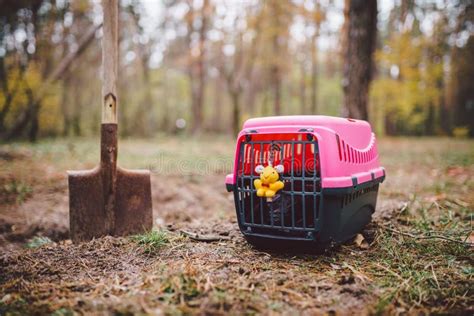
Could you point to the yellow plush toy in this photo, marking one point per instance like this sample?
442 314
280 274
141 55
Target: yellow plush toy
268 184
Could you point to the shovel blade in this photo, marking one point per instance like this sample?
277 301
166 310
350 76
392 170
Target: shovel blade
133 211
87 217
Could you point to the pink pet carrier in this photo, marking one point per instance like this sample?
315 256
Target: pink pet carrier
322 190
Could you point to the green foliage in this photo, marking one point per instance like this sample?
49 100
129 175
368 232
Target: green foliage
37 242
180 285
13 305
267 54
406 95
63 312
461 132
18 190
424 259
24 87
152 241
330 96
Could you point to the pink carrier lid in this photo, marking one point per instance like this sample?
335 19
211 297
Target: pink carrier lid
347 147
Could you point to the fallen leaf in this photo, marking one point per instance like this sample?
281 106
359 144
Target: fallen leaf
436 198
470 239
360 242
335 266
7 299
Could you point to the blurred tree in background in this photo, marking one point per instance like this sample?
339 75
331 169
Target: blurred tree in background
206 66
460 95
360 30
418 77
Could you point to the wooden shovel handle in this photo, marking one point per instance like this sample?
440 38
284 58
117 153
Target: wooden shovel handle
110 53
108 138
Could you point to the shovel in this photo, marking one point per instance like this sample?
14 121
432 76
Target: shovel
109 200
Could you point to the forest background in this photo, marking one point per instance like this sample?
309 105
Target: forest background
204 66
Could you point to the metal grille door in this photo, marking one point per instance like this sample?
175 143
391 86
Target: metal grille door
294 211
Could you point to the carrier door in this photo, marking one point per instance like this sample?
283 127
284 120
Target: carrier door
294 211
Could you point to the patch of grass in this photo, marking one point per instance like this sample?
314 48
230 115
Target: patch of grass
163 154
152 241
62 312
16 190
13 305
459 158
181 286
423 262
37 242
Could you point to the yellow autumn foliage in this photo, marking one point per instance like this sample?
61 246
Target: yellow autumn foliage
410 84
27 86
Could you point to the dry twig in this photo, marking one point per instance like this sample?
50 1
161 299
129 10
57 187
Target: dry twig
426 236
205 238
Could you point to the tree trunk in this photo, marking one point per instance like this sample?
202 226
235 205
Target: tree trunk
445 117
360 38
150 120
76 111
145 122
275 77
302 88
464 93
65 104
35 105
199 89
218 102
235 112
24 118
430 123
9 94
166 118
34 127
276 89
390 126
314 75
461 97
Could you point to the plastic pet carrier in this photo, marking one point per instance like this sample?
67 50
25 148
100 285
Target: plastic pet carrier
304 180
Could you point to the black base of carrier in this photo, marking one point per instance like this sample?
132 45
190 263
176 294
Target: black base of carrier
344 213
303 216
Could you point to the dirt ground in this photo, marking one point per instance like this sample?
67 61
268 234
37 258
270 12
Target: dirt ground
416 257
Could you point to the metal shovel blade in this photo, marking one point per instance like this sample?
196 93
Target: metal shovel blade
131 211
